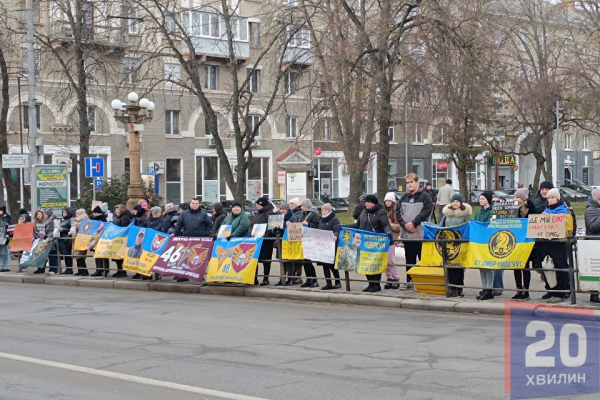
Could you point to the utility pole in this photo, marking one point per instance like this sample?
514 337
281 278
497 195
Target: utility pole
33 148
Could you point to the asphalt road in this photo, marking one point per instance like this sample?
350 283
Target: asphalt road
83 343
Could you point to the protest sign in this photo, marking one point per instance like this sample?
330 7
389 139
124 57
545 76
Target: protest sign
456 249
112 242
23 237
224 231
295 232
185 257
290 250
318 245
144 245
86 229
547 226
505 209
259 230
234 260
589 265
38 255
362 252
275 221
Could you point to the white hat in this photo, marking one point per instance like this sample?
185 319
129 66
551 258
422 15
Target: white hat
295 200
390 196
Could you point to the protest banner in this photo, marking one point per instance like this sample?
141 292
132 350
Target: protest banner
22 237
499 244
185 257
505 209
144 245
258 230
290 250
456 252
275 221
234 260
38 255
86 229
547 226
224 231
112 242
362 252
295 232
589 265
318 245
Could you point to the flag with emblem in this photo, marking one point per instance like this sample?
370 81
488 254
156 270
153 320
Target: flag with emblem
144 246
234 260
456 250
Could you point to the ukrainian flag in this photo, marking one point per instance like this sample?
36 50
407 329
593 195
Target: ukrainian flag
86 229
456 252
498 244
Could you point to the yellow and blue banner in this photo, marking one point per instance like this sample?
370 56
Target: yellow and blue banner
362 252
498 244
86 229
456 252
112 242
144 246
234 260
291 250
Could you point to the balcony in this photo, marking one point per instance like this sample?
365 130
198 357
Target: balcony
298 56
207 31
110 37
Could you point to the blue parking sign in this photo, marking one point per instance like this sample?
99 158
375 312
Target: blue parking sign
551 351
98 184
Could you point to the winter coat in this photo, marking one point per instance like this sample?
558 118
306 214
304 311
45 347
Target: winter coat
240 224
311 216
415 208
153 223
218 218
373 220
454 217
359 208
78 220
539 204
262 217
298 213
432 195
526 208
330 223
165 222
483 214
96 235
123 220
392 214
65 246
561 208
5 217
194 223
592 217
139 215
49 224
445 194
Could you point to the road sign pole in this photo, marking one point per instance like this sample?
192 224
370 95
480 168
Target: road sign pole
94 190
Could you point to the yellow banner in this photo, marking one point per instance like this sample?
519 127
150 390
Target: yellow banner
142 265
481 256
372 263
111 248
234 260
291 250
81 241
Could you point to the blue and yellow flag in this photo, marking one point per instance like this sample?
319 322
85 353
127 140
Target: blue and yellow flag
86 229
112 242
456 252
234 260
144 246
498 244
291 250
362 252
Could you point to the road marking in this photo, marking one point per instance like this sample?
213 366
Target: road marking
129 378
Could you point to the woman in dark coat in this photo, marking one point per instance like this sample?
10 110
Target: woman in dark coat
265 208
101 263
329 222
523 277
288 216
219 215
121 218
309 218
65 243
373 219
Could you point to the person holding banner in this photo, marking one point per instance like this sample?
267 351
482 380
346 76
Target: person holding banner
219 215
49 228
309 218
556 251
329 222
484 214
391 272
297 210
139 215
4 250
523 277
194 222
456 213
79 255
374 219
154 221
65 243
101 263
265 208
237 218
592 225
288 216
121 218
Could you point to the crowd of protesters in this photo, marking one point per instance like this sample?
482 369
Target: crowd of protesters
400 217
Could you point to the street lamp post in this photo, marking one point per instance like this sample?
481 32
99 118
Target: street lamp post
135 115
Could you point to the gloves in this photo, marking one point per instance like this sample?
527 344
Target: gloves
228 238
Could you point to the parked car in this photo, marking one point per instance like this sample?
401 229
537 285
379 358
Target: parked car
572 195
504 196
340 203
585 189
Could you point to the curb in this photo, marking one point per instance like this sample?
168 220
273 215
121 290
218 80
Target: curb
370 300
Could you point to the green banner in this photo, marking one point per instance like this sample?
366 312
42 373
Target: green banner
51 187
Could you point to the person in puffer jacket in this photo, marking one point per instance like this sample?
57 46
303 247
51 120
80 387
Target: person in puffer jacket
309 218
456 213
122 217
592 225
65 243
99 214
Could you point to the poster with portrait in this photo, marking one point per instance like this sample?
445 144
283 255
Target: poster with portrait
144 246
362 252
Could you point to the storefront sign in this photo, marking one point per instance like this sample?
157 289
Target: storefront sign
51 185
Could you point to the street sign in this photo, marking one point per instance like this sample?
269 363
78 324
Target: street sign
94 167
50 187
569 162
98 184
15 160
281 177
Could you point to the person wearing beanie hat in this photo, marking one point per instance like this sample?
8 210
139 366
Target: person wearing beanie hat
262 201
391 273
541 200
264 210
484 214
295 202
236 204
79 255
309 218
49 228
522 194
104 207
283 206
122 217
373 219
139 215
155 220
99 214
554 192
458 197
592 224
23 211
414 208
523 277
97 210
390 196
239 221
306 203
329 222
456 213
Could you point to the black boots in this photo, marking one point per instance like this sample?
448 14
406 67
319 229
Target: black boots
392 284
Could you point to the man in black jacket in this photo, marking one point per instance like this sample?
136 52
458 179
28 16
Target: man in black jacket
373 219
415 207
194 222
265 208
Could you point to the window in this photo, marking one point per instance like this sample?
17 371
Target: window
36 10
131 67
418 135
172 122
291 82
298 37
91 114
292 128
392 167
173 179
567 141
210 24
327 130
391 134
170 22
254 34
133 27
172 72
439 134
126 165
211 77
586 141
37 116
207 130
252 123
586 175
37 60
253 80
90 68
417 167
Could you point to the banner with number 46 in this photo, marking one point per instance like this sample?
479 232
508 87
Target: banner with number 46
551 351
185 257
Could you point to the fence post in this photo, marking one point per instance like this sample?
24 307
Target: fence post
570 249
347 279
446 270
